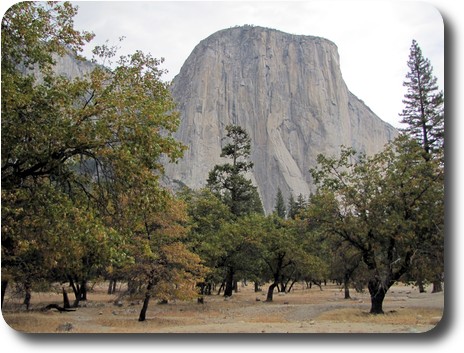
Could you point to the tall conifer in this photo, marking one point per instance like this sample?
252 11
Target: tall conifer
424 104
279 208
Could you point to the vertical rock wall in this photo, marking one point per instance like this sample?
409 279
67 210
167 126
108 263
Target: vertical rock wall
286 90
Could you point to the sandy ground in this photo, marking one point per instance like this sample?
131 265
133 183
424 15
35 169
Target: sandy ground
300 311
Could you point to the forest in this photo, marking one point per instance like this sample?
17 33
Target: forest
83 202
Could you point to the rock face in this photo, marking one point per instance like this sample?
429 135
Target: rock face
67 65
286 90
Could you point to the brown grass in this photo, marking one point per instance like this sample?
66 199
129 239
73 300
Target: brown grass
406 316
302 310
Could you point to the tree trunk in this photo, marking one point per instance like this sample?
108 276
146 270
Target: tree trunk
111 286
277 278
421 287
143 312
4 285
291 286
229 282
437 287
270 291
346 283
221 287
66 304
377 291
76 291
283 286
317 283
28 295
80 291
347 291
257 289
83 290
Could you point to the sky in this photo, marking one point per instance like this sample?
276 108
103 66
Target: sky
373 37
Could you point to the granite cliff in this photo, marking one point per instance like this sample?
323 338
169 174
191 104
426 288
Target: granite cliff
286 90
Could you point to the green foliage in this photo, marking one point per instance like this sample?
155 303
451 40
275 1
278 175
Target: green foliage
388 207
279 208
207 216
228 181
295 206
424 119
424 104
32 33
81 157
286 252
292 207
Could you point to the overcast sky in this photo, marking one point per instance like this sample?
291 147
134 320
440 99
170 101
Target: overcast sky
373 37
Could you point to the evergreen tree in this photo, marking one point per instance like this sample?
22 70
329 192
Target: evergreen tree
300 203
279 209
292 207
228 181
424 104
424 119
295 206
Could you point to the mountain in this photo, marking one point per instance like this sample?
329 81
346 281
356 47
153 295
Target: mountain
286 90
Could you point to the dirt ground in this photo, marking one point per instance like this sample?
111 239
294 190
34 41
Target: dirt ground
300 311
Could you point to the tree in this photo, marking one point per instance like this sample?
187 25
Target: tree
163 260
295 207
389 207
345 261
279 208
312 262
207 215
292 207
76 146
238 257
423 113
424 119
284 254
277 249
228 181
31 35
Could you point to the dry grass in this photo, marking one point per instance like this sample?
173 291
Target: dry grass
406 316
302 310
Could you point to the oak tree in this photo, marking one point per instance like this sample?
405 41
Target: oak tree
76 150
389 207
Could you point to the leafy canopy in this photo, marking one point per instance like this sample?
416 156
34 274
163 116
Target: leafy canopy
81 157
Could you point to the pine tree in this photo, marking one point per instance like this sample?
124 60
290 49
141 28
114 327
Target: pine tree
228 181
300 202
424 104
279 209
292 207
424 116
